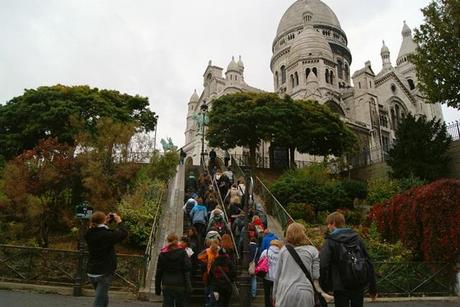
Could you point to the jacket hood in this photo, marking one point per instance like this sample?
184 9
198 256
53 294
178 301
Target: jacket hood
343 235
274 249
174 254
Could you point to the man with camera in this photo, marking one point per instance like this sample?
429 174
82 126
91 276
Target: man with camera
102 261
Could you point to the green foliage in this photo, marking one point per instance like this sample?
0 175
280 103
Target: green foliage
162 167
138 209
355 189
299 211
420 149
64 112
314 186
436 60
104 164
243 119
381 190
383 251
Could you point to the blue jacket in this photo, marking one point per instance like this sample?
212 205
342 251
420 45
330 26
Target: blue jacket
199 214
266 241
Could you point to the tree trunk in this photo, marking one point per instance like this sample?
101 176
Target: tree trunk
252 158
292 163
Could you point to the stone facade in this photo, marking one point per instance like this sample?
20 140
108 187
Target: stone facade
311 60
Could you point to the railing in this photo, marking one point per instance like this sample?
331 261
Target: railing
272 205
55 267
221 203
415 279
148 255
368 157
454 130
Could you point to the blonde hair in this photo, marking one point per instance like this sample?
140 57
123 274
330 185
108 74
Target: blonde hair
296 235
255 218
277 243
336 218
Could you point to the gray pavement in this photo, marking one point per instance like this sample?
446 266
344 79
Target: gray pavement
28 299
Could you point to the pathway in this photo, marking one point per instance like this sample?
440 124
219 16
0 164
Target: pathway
27 299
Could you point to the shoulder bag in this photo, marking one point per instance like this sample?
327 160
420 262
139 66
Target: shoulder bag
292 251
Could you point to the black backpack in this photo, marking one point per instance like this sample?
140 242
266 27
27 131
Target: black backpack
353 264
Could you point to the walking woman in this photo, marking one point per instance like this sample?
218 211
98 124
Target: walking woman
173 274
221 277
272 253
291 286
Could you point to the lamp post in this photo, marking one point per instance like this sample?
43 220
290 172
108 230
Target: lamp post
245 279
83 213
204 110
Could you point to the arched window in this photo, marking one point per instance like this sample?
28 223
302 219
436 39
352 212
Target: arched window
331 77
315 71
296 77
370 84
283 74
292 81
347 71
277 84
411 84
327 75
359 84
340 69
307 72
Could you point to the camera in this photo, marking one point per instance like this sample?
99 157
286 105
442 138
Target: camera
111 217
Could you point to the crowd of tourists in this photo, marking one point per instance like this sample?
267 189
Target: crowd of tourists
291 271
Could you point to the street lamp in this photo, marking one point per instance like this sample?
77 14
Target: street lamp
83 213
204 110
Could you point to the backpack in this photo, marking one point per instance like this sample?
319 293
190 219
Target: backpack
353 264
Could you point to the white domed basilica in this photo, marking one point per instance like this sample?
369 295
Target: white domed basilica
311 61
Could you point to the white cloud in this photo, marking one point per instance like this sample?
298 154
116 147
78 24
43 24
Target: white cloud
160 49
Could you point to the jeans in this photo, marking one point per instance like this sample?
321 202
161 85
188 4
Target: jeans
345 298
253 286
101 284
268 288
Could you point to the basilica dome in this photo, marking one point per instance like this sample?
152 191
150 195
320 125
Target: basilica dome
310 43
293 16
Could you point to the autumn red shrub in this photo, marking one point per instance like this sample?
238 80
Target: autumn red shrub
426 219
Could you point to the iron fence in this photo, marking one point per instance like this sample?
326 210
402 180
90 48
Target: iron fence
46 266
410 279
454 130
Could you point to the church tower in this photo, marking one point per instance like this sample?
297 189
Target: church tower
192 108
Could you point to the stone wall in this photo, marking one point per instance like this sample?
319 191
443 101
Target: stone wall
454 165
380 170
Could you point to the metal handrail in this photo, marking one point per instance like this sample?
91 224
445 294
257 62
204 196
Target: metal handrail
272 204
221 202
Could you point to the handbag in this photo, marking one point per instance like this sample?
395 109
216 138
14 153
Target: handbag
317 295
235 290
252 264
262 267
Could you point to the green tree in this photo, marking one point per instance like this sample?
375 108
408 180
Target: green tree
420 149
437 58
106 167
63 112
243 119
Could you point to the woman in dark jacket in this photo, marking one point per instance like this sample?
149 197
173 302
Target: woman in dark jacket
173 274
221 275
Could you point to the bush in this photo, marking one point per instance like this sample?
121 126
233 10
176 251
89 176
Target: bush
299 211
425 219
381 190
138 210
312 185
355 189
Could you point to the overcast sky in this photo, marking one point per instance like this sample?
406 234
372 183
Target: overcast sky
160 48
